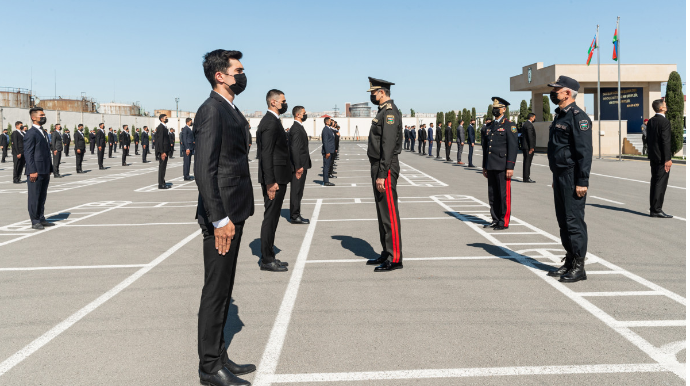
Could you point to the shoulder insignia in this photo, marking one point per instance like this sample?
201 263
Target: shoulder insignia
584 125
390 119
389 106
513 129
576 111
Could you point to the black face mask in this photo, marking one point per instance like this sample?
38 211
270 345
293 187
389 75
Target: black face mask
553 95
496 112
373 100
166 120
42 121
304 117
240 84
283 109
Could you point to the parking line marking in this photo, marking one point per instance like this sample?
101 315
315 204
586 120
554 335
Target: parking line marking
606 199
630 179
413 259
651 323
67 267
61 327
130 225
621 293
274 346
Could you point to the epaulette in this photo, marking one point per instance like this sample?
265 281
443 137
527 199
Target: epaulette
388 106
576 111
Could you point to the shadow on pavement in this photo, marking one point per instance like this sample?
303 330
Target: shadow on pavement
59 217
357 246
619 209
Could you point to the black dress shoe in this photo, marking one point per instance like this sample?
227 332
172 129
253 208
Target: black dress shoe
299 220
660 214
328 184
471 166
377 261
222 377
57 176
335 173
101 168
282 263
530 181
238 369
47 223
331 176
163 187
388 266
493 224
273 267
500 227
37 226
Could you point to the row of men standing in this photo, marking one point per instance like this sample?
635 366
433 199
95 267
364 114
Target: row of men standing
441 135
330 144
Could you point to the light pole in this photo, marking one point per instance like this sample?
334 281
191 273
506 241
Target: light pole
177 112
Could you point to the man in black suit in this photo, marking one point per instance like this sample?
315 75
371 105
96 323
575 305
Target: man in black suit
470 143
125 140
187 148
66 140
529 142
301 162
18 152
659 153
162 150
56 143
136 142
274 174
448 132
327 150
38 168
92 140
111 142
144 144
226 200
4 144
100 143
79 146
172 143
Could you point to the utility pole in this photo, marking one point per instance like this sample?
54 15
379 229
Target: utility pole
620 127
177 109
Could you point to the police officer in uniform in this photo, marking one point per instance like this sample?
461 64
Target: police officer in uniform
500 146
385 143
570 160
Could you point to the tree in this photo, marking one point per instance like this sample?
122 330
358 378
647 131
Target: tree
466 116
489 112
412 113
523 113
547 109
439 118
52 127
675 104
474 114
529 109
507 113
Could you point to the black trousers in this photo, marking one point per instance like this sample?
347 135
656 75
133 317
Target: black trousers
162 165
186 163
80 158
657 188
470 150
499 197
270 222
125 153
18 168
438 149
449 145
67 150
326 167
526 164
144 152
92 145
136 148
387 211
56 162
332 163
110 150
216 297
412 144
101 155
419 146
38 191
4 152
296 193
407 144
570 213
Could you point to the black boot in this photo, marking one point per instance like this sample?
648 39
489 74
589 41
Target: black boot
576 273
565 268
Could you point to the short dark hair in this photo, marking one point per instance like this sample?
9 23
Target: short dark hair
472 120
530 115
187 120
35 110
325 120
272 94
101 124
123 126
80 125
17 123
449 122
296 110
160 117
146 127
656 105
56 125
217 61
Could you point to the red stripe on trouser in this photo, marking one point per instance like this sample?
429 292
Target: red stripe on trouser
393 219
506 220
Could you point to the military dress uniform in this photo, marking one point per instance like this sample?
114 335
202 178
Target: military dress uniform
570 160
500 147
385 143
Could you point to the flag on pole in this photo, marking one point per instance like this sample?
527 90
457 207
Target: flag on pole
592 47
615 45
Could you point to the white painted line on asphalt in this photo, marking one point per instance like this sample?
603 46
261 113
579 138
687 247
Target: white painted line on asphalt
604 273
673 348
73 267
61 327
402 218
606 199
274 346
622 293
498 233
631 179
679 218
413 259
516 233
651 323
133 225
468 372
425 176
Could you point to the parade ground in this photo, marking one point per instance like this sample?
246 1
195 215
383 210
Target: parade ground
110 295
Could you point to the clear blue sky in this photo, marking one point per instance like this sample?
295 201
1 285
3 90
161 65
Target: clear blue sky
442 55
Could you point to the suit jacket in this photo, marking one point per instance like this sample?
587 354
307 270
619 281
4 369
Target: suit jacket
407 134
328 141
187 140
162 141
221 167
56 141
500 146
413 134
172 139
66 139
430 134
659 139
92 138
470 134
439 133
100 138
528 139
37 152
460 134
144 138
274 154
448 132
17 142
4 141
126 139
136 137
79 142
422 135
299 147
111 137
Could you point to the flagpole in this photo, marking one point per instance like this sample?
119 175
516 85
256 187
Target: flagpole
618 55
598 92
